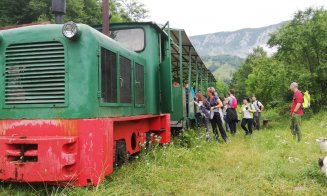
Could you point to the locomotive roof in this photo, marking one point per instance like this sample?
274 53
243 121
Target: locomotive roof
153 24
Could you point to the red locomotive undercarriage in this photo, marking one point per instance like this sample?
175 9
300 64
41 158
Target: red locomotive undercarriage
77 152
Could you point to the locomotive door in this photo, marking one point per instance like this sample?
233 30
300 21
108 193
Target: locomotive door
165 75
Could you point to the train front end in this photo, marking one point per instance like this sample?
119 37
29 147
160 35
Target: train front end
75 102
45 125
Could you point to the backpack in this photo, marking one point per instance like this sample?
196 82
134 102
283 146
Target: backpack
234 102
306 100
260 107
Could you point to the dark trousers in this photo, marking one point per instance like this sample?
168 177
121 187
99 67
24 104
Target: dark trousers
217 123
231 119
232 126
226 124
256 120
247 121
198 118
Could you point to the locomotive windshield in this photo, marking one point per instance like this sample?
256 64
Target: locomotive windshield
133 39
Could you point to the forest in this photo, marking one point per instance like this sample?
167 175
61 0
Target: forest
83 11
301 57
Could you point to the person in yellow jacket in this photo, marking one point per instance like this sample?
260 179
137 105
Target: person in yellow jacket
248 110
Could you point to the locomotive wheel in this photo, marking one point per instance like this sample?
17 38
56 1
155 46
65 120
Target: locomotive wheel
121 154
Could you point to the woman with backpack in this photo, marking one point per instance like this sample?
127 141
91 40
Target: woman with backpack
215 118
204 106
248 110
231 114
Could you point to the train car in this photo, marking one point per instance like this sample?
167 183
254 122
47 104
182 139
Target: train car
74 102
187 68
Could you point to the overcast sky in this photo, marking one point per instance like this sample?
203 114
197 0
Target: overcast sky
209 16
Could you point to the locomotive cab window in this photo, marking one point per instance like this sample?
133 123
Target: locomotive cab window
125 80
139 84
133 39
108 76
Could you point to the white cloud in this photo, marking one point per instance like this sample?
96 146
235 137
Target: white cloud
208 16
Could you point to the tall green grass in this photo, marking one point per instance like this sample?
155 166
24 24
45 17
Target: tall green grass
269 162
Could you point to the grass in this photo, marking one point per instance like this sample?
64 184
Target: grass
268 163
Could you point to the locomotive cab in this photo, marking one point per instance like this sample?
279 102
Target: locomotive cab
150 42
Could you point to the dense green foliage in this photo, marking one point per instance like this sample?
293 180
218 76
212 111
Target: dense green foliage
269 162
84 11
221 88
223 66
301 57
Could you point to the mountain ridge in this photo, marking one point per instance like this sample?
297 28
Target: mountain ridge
237 43
224 52
246 28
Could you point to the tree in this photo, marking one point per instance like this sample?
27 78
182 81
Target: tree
301 56
221 88
268 80
131 10
16 12
302 45
238 82
83 11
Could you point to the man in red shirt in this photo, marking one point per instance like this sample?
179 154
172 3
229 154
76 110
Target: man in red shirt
296 111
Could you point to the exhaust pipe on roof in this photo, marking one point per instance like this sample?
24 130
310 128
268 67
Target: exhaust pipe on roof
59 9
106 15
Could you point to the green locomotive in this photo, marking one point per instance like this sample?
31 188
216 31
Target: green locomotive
74 101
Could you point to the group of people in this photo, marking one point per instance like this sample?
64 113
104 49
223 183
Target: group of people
251 114
218 112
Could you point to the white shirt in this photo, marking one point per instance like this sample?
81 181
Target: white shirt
257 104
248 113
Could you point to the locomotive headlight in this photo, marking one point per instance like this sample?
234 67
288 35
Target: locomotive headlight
70 30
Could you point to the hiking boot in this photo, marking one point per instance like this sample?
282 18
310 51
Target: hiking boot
293 132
